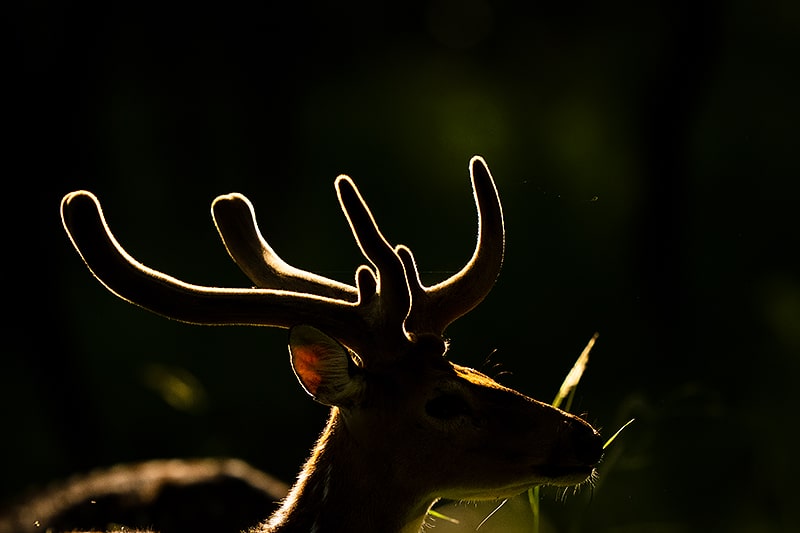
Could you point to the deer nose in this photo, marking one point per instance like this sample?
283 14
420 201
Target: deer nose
581 442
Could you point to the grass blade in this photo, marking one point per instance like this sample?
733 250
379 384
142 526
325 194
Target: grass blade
565 392
533 500
614 436
437 514
567 389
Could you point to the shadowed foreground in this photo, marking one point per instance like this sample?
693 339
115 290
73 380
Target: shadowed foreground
169 496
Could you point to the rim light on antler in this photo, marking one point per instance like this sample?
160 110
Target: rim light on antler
388 300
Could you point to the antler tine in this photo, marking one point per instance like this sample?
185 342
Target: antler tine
155 291
235 220
393 299
388 307
434 308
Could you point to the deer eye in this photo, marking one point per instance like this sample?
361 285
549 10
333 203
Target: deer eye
447 406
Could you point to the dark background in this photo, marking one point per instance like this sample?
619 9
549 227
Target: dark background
645 154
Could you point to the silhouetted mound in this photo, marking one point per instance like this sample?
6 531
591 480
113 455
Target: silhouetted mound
169 496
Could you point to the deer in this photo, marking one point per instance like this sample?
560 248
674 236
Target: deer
407 426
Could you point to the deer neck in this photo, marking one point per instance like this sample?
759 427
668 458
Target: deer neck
345 487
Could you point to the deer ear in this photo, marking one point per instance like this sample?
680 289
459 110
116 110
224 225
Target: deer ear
323 367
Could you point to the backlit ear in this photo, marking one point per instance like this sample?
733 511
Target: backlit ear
323 367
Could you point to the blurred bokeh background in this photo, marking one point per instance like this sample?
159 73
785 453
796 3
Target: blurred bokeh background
646 154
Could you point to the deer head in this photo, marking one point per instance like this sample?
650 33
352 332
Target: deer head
407 425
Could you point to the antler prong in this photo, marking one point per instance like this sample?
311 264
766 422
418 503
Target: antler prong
436 307
235 220
165 295
393 293
388 307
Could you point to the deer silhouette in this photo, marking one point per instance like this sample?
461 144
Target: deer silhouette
407 426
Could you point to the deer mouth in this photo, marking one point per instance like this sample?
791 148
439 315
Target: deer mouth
565 476
558 476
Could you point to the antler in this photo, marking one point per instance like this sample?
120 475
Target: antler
387 307
437 307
